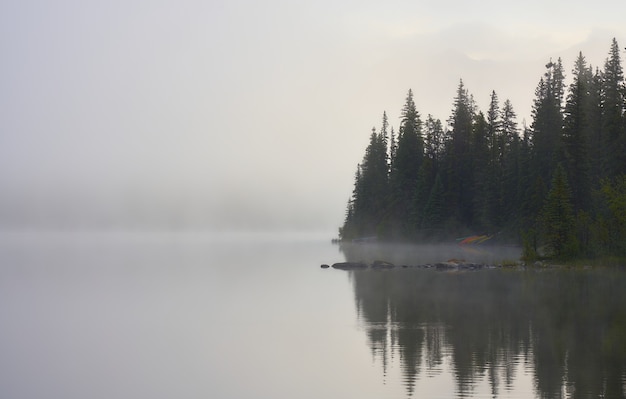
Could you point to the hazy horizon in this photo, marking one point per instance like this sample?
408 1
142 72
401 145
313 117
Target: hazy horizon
240 115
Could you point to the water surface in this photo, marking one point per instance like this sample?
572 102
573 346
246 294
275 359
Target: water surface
162 315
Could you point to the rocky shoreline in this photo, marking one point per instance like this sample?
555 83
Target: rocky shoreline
450 265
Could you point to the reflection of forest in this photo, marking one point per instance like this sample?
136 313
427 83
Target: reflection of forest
570 326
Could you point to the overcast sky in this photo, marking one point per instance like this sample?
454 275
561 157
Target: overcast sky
245 114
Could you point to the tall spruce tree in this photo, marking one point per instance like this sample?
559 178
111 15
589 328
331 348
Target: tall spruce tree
597 141
371 188
406 164
459 158
613 103
548 120
509 131
351 227
512 165
433 147
410 148
576 135
493 178
479 147
525 177
384 134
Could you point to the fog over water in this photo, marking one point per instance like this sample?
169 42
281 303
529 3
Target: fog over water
160 161
241 115
422 254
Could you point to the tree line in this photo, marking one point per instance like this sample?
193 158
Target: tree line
558 185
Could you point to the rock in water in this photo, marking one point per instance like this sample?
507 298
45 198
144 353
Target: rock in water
381 264
350 266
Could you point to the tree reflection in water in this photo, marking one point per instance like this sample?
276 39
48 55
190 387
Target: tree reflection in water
568 326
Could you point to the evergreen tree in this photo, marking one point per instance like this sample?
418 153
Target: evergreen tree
613 103
557 217
393 148
410 148
481 190
525 219
370 194
433 140
493 178
576 133
406 164
384 155
509 124
459 174
597 141
347 230
513 164
433 151
351 228
493 118
384 133
548 120
558 82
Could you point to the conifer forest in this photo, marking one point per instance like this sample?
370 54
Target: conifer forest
556 186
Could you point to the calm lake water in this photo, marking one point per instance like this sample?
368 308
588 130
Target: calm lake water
184 315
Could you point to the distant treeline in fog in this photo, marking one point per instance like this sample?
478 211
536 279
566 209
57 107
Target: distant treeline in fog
558 185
